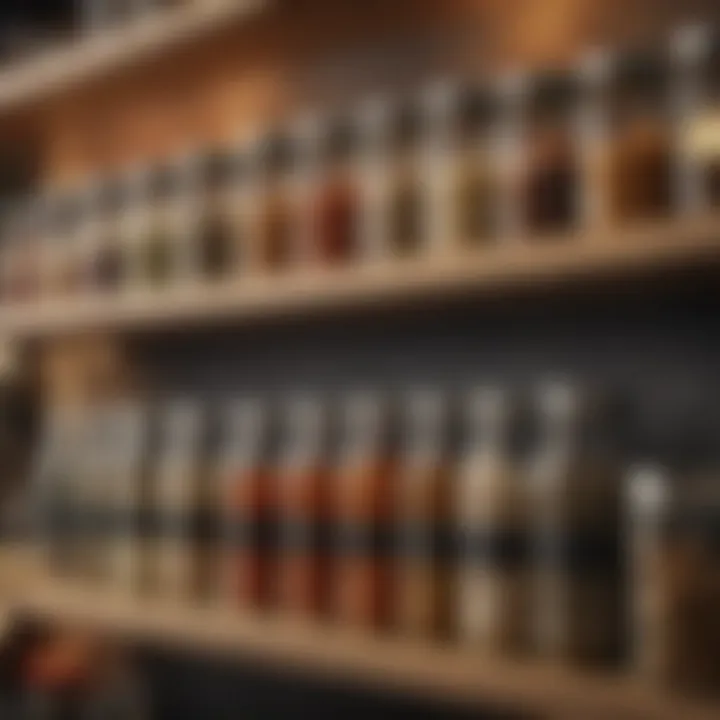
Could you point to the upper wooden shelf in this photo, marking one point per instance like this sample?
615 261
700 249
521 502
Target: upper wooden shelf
439 671
508 268
98 54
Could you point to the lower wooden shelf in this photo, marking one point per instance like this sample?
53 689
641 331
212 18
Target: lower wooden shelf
443 672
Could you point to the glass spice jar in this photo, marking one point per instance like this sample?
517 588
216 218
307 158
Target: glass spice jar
639 137
552 181
423 571
278 215
337 203
23 252
696 81
170 223
362 513
493 512
464 165
247 506
302 497
574 477
405 204
62 216
220 235
108 269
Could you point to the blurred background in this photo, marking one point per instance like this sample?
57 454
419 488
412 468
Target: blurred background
371 334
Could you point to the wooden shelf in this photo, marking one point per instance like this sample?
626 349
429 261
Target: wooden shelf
512 267
441 672
99 54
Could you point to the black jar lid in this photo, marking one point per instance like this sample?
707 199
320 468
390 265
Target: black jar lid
476 108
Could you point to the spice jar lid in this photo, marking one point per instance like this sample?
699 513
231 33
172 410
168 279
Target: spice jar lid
222 167
278 152
554 92
641 73
406 124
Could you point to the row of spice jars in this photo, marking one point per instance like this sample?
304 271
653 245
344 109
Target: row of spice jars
621 138
484 523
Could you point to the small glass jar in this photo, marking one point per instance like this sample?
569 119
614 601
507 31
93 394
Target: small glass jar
170 223
302 497
639 137
464 165
696 76
337 203
221 240
362 502
423 570
278 216
108 269
61 271
403 131
552 182
674 576
493 514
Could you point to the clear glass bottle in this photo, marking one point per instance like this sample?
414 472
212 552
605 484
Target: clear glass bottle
493 514
362 513
574 474
302 497
175 491
126 488
423 569
247 506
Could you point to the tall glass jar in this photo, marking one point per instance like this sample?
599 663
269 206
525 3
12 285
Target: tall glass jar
247 506
362 514
424 507
302 497
493 512
574 475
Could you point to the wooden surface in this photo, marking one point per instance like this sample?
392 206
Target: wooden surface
515 266
109 51
442 672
